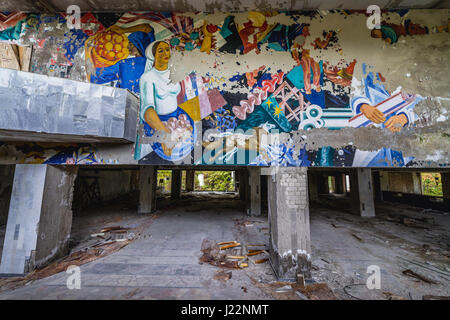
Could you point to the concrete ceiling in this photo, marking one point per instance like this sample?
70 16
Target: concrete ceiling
212 5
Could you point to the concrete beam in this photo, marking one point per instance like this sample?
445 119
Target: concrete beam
254 208
80 112
290 241
175 186
39 218
148 176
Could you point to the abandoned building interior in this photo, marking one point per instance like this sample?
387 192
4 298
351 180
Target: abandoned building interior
196 150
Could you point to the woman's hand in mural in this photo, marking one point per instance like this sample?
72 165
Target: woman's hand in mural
372 113
152 119
396 123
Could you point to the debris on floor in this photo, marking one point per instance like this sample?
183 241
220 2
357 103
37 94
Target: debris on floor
295 291
413 274
231 254
213 255
222 275
96 245
430 297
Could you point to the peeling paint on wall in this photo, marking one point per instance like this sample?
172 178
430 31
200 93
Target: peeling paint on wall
313 88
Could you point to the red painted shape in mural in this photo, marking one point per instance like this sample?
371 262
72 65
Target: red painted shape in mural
307 64
251 81
343 76
248 31
323 44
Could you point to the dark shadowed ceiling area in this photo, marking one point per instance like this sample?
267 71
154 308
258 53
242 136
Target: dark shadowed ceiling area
213 5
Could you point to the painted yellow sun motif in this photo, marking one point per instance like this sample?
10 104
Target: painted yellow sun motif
277 111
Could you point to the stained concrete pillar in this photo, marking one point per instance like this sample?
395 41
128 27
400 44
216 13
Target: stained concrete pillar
361 192
445 179
322 183
6 184
175 187
39 218
290 242
190 180
417 182
254 205
338 188
377 186
344 183
313 186
148 176
243 185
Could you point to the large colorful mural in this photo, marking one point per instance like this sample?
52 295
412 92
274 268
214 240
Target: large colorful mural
253 116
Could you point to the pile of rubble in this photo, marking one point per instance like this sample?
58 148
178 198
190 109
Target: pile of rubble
233 254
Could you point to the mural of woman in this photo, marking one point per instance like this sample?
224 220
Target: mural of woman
159 109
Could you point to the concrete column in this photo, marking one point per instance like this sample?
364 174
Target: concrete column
148 176
243 185
6 184
190 180
312 186
445 178
39 219
338 184
175 187
362 195
377 186
322 182
254 208
344 183
417 182
290 242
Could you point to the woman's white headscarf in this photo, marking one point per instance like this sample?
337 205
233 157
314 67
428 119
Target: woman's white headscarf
150 57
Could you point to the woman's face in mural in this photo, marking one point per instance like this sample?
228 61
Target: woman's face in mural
162 56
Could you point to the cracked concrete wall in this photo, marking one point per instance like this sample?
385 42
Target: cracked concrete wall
334 69
112 184
55 221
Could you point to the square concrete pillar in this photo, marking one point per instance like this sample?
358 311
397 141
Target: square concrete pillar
254 180
417 182
175 186
362 193
445 179
148 176
338 187
377 186
344 183
312 186
190 180
39 218
290 241
322 183
243 184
